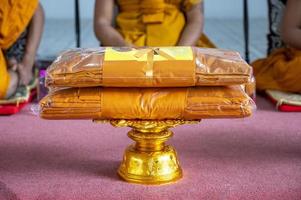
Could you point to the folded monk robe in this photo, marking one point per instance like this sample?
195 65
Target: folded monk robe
148 67
146 103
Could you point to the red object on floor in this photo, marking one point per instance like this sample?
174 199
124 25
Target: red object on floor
289 108
10 109
284 107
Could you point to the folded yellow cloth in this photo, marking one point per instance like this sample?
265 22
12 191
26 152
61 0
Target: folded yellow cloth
146 103
148 67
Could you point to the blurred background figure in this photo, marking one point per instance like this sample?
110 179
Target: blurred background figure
21 25
150 23
281 70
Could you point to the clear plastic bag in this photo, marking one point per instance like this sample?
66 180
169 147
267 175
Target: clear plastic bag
147 103
156 67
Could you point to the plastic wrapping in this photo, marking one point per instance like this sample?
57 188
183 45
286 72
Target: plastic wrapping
250 88
148 67
147 103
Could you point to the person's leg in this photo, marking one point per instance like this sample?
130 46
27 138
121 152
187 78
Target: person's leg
8 78
15 53
13 56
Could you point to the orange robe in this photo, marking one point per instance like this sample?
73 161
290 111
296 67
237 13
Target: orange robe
279 71
146 103
154 67
154 22
14 18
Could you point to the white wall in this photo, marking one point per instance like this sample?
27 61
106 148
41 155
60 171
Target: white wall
234 8
59 9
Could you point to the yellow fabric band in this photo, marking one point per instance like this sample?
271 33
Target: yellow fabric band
149 67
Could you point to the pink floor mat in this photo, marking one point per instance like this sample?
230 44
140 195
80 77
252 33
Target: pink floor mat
252 158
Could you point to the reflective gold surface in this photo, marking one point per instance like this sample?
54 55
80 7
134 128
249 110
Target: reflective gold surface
150 160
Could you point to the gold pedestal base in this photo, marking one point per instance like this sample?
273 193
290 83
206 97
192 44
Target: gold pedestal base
150 168
150 160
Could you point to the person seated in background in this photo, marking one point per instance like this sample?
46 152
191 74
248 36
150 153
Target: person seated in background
281 70
150 23
21 25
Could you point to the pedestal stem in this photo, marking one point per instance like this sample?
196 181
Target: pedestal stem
150 141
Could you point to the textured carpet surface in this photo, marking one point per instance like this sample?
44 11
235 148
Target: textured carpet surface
252 158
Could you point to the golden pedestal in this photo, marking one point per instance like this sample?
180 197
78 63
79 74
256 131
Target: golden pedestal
150 160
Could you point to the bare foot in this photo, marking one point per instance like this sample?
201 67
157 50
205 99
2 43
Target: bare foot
12 64
13 84
25 69
25 74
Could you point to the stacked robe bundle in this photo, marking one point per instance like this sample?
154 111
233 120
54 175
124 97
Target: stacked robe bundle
147 84
213 67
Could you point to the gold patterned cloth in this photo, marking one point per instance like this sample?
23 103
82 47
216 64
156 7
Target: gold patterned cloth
146 103
148 67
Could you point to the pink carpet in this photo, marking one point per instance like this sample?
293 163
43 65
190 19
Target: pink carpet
253 158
